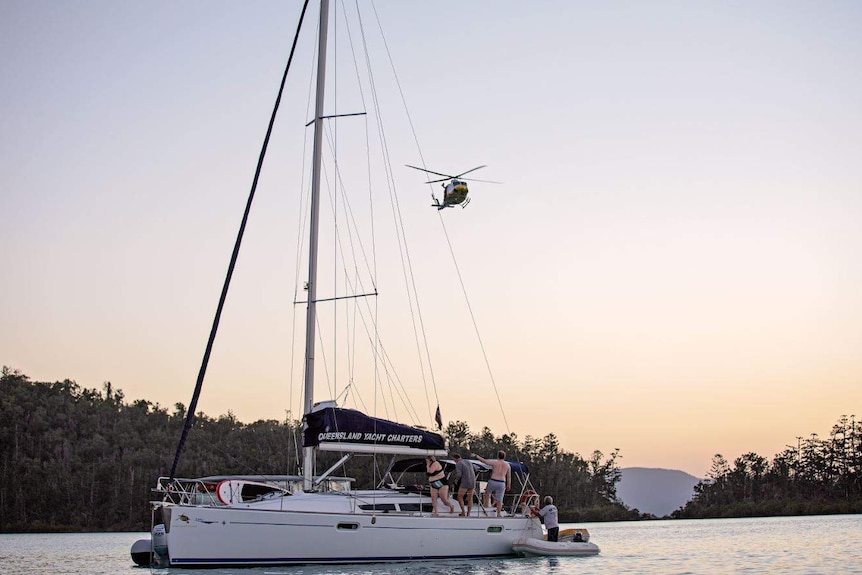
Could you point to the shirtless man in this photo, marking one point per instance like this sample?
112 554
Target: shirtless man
500 482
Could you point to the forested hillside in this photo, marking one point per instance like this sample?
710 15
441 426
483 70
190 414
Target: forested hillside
80 459
818 476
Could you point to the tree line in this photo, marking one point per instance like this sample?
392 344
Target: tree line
817 476
78 459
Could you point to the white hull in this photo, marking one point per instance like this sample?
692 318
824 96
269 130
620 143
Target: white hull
270 533
531 546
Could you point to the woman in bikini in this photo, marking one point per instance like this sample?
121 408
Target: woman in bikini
439 488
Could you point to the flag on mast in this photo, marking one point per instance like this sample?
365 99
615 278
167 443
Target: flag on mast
438 418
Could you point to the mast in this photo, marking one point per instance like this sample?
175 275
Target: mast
311 315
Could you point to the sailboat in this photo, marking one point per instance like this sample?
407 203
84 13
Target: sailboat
321 518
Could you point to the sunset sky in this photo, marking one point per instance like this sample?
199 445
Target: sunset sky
671 265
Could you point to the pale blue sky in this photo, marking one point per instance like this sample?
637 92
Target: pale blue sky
670 267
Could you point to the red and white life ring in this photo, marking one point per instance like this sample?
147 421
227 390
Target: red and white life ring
528 495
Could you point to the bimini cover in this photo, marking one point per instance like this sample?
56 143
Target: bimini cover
338 429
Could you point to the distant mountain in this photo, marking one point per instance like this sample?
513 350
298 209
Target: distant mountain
656 491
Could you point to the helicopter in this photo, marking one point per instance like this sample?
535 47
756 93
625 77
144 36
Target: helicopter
455 190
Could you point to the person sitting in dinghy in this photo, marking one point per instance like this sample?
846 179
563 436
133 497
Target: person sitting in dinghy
549 514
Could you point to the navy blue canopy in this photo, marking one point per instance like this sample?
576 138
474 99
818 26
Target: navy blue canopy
348 429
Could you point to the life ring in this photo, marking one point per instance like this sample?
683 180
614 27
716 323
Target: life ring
527 496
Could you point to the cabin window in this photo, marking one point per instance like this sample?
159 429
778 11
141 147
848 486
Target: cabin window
347 526
252 492
378 507
415 507
495 529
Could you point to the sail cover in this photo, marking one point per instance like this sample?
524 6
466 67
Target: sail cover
339 429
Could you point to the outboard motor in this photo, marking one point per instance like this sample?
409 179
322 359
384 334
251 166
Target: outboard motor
160 545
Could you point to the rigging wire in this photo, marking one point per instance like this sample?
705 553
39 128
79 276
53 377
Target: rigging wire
371 327
387 377
475 324
335 238
376 344
373 271
190 417
303 216
369 324
440 216
407 266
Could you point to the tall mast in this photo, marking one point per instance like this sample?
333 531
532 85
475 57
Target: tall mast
311 316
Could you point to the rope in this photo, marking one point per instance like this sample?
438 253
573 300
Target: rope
190 416
475 325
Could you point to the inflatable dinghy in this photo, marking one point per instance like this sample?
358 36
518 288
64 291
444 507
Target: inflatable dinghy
529 547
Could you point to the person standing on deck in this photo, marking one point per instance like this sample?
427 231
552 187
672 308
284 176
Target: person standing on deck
437 482
500 482
465 477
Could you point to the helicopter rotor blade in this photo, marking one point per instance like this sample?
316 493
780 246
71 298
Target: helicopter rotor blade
468 171
483 181
464 180
446 176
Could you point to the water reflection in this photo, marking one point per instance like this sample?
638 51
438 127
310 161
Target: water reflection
778 545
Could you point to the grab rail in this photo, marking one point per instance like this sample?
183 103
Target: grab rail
187 491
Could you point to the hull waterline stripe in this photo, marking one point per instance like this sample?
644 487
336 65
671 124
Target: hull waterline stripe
398 527
326 560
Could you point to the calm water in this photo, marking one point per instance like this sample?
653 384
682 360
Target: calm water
824 544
